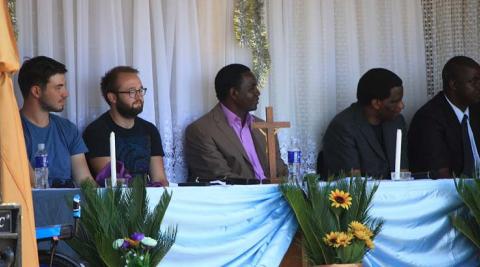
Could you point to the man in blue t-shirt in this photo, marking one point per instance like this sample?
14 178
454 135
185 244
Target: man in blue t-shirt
42 83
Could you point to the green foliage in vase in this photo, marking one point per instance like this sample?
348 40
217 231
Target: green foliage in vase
109 214
333 217
468 224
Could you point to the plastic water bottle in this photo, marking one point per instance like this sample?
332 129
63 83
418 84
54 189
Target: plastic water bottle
41 167
294 164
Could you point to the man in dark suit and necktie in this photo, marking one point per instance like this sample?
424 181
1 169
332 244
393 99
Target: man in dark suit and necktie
361 139
444 135
222 143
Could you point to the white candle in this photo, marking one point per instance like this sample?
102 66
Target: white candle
113 160
398 153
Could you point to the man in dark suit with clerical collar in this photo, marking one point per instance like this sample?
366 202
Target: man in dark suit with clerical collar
222 143
361 139
444 135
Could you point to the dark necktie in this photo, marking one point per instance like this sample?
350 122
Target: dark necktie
468 163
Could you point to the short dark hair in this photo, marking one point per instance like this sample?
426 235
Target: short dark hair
376 84
109 80
37 71
454 66
228 77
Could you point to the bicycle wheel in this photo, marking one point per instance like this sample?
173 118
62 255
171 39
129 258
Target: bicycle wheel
59 260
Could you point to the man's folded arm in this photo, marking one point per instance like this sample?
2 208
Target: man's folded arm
204 160
97 164
157 170
80 169
340 152
428 148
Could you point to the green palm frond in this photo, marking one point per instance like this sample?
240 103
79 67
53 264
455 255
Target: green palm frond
111 214
469 224
137 206
468 227
153 222
471 198
352 253
166 240
317 218
301 206
362 196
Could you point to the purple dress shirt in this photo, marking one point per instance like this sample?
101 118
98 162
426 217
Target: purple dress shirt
245 135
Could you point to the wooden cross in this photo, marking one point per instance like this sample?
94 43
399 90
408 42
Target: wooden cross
271 128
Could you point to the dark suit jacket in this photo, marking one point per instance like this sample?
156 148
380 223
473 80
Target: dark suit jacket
350 143
213 149
435 137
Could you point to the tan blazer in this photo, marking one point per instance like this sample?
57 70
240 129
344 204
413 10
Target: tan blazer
213 150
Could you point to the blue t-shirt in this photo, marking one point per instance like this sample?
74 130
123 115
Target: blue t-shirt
62 140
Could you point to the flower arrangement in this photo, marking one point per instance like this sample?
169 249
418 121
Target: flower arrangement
135 249
468 223
108 214
333 217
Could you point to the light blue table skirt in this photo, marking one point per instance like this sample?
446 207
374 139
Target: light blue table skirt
249 225
417 230
252 225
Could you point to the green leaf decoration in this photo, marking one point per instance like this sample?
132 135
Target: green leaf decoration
110 214
250 31
317 217
13 16
468 224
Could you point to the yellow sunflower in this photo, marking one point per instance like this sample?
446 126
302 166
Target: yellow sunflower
369 243
356 226
361 234
359 230
331 238
343 239
340 199
368 232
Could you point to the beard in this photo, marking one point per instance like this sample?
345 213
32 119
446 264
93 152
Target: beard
129 111
49 107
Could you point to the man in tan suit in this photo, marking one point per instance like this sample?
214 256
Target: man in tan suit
222 143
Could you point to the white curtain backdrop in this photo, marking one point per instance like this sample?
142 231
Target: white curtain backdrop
319 50
451 28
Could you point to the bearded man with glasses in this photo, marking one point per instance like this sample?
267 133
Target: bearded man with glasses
138 142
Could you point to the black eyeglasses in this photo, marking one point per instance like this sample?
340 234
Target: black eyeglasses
132 92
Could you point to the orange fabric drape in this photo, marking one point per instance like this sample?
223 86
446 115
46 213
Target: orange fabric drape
14 172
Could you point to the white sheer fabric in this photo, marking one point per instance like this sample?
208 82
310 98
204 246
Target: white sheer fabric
319 50
451 28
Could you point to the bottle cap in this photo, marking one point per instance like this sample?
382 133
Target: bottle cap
41 146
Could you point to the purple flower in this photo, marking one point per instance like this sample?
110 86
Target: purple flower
137 236
125 245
